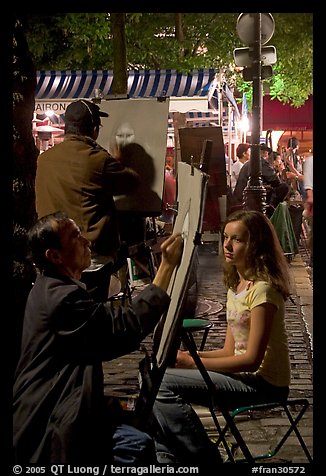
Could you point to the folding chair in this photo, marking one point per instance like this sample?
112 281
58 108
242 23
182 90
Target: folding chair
166 337
230 416
288 406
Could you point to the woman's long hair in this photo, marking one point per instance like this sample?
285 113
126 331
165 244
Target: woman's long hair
265 259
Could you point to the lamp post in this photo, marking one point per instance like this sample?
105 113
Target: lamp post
254 30
254 195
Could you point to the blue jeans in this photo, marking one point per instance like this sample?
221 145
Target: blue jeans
132 446
180 429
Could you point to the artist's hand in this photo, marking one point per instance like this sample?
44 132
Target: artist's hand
172 250
171 256
184 360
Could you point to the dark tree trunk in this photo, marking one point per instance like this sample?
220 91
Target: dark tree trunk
24 165
179 34
178 27
120 76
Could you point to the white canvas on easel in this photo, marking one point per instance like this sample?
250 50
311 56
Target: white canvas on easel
139 126
191 201
191 187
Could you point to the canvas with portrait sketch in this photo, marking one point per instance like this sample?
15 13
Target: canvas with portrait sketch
136 133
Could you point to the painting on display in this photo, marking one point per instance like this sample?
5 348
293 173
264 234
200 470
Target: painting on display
136 132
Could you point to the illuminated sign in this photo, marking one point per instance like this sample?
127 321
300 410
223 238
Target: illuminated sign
58 107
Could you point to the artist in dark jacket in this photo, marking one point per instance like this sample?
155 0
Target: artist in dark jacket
80 178
60 413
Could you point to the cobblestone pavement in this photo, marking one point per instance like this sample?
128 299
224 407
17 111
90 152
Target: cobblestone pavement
121 375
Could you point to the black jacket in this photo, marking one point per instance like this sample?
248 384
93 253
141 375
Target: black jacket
270 179
60 412
80 178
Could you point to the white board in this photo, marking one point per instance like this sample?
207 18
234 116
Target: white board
137 129
192 184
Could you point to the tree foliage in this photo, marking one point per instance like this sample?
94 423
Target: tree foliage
181 41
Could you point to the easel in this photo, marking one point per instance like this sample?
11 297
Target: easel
191 199
192 187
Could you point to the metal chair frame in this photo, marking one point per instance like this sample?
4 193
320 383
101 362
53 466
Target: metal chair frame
229 415
289 404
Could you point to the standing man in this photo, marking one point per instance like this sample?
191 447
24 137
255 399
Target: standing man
276 189
243 155
294 164
80 178
292 149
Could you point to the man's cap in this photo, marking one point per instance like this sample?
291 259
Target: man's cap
77 111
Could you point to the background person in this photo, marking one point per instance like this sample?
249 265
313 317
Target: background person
294 165
276 189
292 150
60 413
289 175
279 166
243 155
253 366
309 201
295 178
169 196
286 172
80 178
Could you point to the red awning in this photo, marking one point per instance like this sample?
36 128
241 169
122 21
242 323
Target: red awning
283 117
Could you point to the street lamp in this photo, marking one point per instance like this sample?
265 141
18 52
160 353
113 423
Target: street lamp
244 127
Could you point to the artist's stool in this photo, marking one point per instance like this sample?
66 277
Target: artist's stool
195 325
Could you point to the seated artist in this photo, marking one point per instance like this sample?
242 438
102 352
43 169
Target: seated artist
60 413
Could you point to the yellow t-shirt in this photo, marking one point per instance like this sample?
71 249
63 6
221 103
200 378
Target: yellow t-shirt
275 367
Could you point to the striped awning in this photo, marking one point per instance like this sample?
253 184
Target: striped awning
203 119
145 83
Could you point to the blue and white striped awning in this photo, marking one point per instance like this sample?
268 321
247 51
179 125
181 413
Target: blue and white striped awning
55 85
